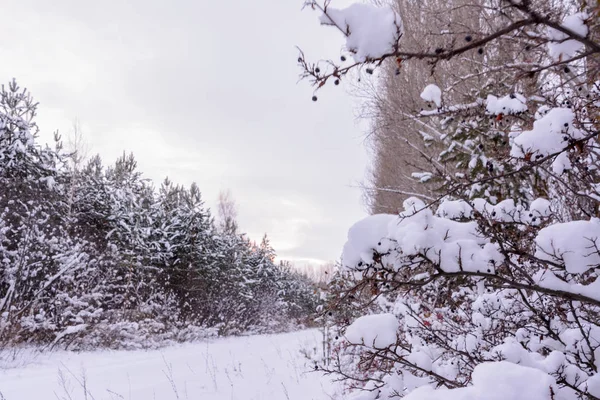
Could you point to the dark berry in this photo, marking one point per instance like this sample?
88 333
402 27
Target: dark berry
314 98
480 51
527 48
336 82
439 50
343 58
468 38
299 59
369 71
512 96
566 124
317 70
567 70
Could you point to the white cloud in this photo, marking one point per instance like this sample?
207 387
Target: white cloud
201 94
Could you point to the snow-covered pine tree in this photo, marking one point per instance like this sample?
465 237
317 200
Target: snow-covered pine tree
298 296
95 257
39 259
189 272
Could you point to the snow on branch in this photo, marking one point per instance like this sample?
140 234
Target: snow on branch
496 381
371 32
561 45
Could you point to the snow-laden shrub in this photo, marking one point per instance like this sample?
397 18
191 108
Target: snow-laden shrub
487 286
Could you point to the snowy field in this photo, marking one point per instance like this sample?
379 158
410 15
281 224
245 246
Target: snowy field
268 367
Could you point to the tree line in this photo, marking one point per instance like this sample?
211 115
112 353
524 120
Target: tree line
93 255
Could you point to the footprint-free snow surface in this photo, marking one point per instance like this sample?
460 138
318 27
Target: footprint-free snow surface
269 367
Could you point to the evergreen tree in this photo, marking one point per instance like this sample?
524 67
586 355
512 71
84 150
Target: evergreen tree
95 257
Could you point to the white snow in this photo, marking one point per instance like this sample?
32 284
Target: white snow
559 47
371 31
547 279
417 231
267 367
504 211
561 163
365 236
377 330
422 176
70 331
433 94
495 381
574 244
511 104
454 209
550 134
442 238
540 207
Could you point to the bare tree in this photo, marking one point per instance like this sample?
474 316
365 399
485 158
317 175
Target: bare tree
78 151
227 212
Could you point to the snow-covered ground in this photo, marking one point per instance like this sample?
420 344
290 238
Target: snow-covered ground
269 367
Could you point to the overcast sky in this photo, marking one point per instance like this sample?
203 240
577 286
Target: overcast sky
202 91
